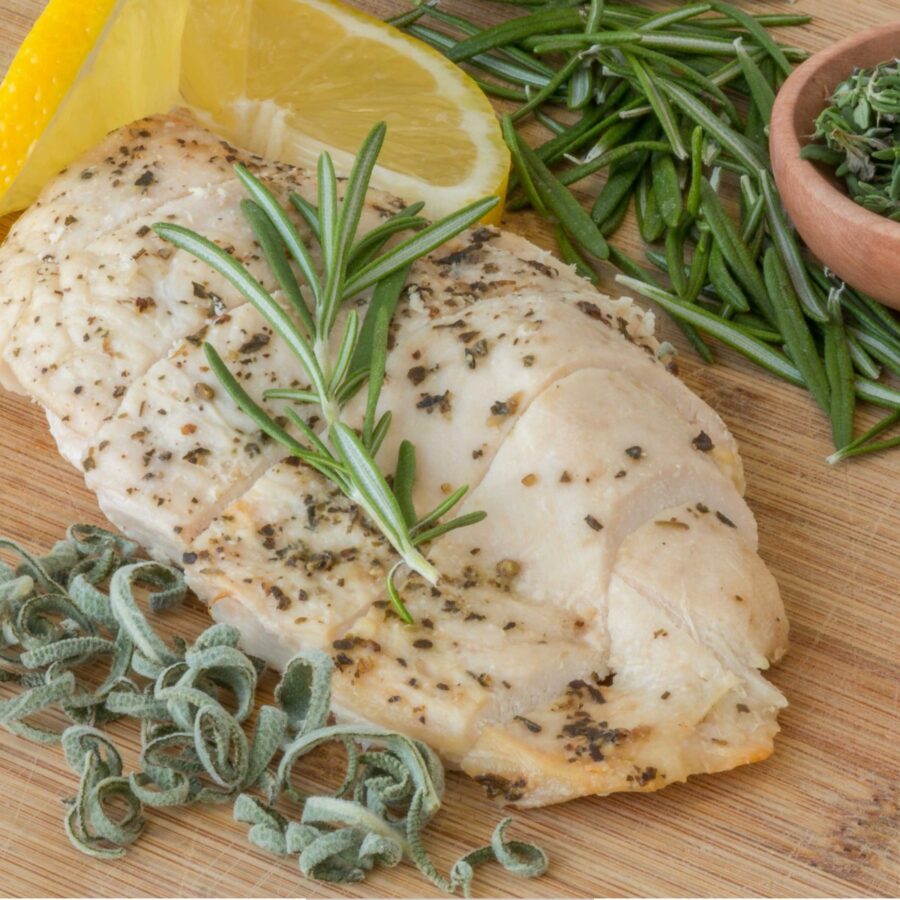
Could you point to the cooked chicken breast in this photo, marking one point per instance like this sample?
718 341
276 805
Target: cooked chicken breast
605 626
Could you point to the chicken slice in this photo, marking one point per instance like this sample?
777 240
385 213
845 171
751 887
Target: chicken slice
121 183
667 710
292 562
179 449
478 653
459 382
708 579
594 457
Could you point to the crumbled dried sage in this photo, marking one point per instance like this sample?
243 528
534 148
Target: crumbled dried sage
79 605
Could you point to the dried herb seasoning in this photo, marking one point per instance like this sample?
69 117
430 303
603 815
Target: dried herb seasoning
858 135
79 607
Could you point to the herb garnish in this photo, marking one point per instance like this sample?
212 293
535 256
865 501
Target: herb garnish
861 135
78 606
349 267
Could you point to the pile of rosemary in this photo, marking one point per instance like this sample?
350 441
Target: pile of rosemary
860 134
74 613
350 265
674 106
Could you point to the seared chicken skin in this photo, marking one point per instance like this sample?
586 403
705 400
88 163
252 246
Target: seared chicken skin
602 629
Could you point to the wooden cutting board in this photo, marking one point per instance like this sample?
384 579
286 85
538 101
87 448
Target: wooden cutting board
822 817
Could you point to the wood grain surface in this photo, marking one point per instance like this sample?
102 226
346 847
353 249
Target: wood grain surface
821 817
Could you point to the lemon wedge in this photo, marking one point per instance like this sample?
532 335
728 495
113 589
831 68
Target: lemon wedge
283 78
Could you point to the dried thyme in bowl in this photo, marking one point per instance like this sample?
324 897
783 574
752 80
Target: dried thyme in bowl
859 136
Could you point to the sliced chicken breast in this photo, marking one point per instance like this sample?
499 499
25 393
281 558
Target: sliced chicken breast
178 449
603 629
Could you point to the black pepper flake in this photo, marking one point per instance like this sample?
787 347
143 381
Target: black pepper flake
401 662
509 626
542 268
458 256
565 478
196 456
703 442
593 523
725 520
146 179
189 558
665 695
441 686
430 402
200 291
742 708
497 786
423 644
591 310
394 699
579 685
257 342
634 452
503 407
474 617
478 350
533 727
343 644
702 508
282 599
621 473
417 374
143 231
69 220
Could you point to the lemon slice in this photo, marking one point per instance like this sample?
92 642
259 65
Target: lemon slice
284 78
87 67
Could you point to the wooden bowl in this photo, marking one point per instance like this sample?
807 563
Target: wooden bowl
861 247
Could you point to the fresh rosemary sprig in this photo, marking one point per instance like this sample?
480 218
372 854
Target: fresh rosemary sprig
349 266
